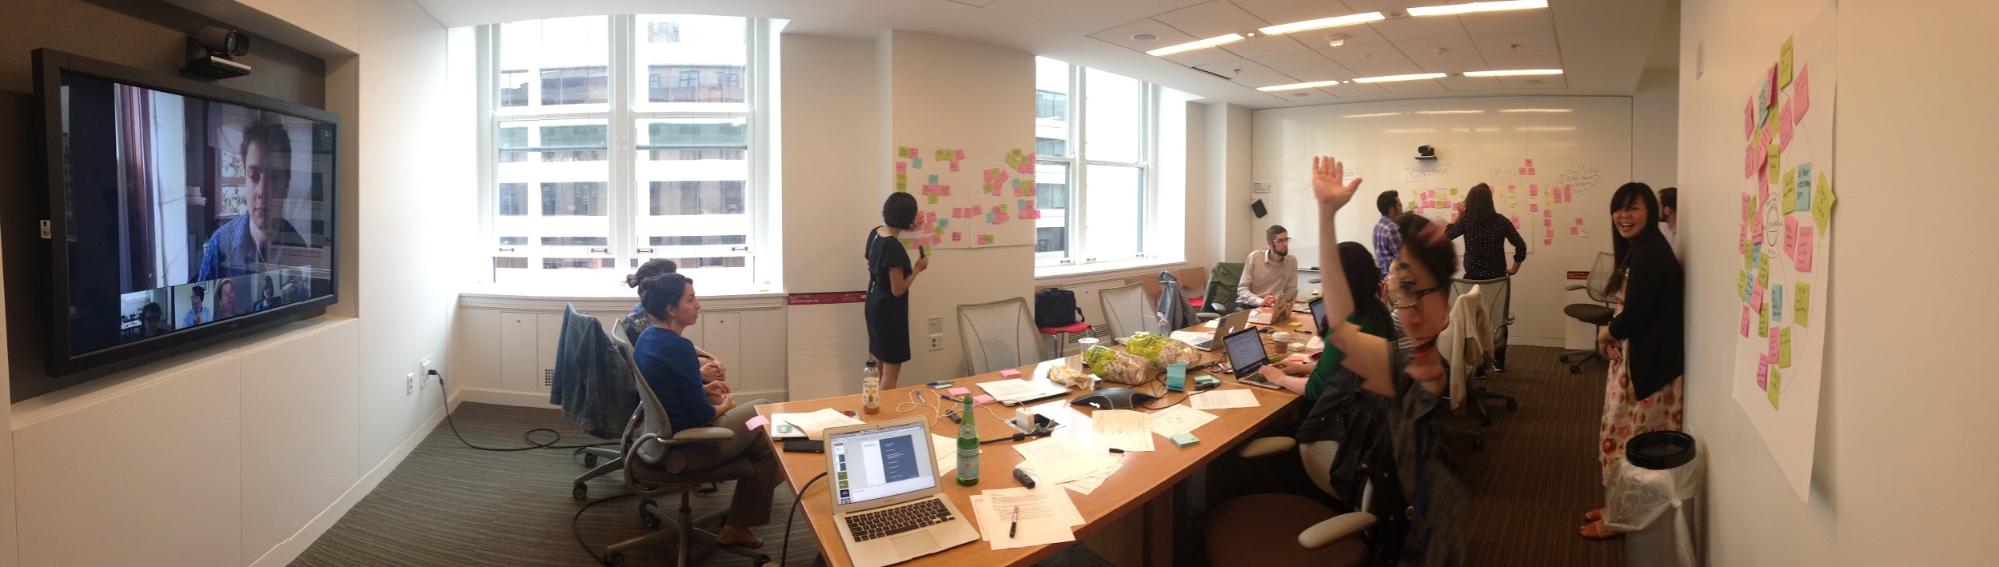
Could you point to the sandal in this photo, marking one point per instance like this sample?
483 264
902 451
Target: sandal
738 537
1593 515
1597 531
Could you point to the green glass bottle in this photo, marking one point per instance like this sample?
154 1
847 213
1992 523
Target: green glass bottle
968 446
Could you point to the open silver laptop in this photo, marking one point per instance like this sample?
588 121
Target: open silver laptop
1247 356
1229 323
886 500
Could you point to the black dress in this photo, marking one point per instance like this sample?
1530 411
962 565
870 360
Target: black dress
888 314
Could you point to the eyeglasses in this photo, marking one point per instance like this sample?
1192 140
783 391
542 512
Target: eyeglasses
1404 298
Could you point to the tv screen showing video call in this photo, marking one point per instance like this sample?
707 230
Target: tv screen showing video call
183 212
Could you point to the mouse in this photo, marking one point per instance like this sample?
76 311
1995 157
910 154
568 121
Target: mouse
1115 398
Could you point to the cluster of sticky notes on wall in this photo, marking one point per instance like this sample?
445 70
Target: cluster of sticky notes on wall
1796 214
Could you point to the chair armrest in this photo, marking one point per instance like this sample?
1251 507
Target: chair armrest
1266 446
701 435
1334 529
1205 315
1576 287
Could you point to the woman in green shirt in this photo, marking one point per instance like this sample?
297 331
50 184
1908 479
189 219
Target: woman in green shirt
1308 378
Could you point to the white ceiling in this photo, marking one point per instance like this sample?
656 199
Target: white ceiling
1602 45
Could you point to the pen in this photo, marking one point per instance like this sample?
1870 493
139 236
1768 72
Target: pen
1016 523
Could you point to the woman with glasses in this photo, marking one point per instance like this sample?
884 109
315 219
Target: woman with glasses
1644 342
1408 371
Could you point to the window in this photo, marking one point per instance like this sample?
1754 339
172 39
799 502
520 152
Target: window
619 139
1094 170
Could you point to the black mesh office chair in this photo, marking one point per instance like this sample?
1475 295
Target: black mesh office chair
1597 314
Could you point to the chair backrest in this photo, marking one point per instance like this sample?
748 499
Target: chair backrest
1171 303
1599 277
998 334
652 416
1222 281
1126 311
1495 294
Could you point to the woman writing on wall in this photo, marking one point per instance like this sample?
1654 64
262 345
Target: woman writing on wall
1409 371
712 369
666 359
1486 234
1644 342
890 274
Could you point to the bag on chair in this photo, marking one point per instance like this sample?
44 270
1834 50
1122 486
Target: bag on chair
1056 307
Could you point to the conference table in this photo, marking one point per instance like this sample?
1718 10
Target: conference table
1143 477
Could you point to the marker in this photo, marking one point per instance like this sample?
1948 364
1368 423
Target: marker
1015 525
1025 480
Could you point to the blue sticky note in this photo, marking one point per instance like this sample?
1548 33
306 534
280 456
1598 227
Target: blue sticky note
1176 377
933 180
916 163
1184 439
1777 299
943 223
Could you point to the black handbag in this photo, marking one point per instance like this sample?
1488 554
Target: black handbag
1056 307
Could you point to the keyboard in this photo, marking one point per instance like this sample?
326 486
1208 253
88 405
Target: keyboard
890 521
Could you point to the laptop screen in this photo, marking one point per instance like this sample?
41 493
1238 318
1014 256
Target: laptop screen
1319 313
1246 352
881 463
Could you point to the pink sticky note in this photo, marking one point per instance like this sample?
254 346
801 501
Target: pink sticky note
1790 235
1533 190
1533 207
1575 231
1762 375
1801 92
961 155
1773 345
1803 254
756 422
1763 186
958 391
1516 222
957 236
954 165
982 399
1756 298
1772 85
1009 373
1746 315
1785 125
1749 118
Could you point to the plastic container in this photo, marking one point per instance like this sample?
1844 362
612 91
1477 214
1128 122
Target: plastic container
1652 500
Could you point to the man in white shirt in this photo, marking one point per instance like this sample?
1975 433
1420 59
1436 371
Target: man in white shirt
1269 275
1669 217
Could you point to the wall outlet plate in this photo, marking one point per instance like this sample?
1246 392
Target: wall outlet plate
423 368
409 383
936 343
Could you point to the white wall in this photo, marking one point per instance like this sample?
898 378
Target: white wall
1228 188
1902 473
1655 125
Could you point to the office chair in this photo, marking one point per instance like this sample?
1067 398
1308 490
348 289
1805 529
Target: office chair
1496 297
997 335
1125 310
579 372
1259 530
1220 296
653 469
1175 312
1596 314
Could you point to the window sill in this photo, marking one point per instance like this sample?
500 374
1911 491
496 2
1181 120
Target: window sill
532 297
1053 274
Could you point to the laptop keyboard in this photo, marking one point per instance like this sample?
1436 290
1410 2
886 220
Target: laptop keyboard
890 521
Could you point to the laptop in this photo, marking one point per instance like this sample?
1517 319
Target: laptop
1247 356
1229 323
886 500
1318 308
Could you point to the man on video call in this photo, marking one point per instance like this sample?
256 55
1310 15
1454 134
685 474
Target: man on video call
247 243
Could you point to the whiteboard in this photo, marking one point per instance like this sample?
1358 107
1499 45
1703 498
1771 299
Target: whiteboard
1552 162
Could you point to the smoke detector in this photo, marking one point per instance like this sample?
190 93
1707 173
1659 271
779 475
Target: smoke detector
1336 40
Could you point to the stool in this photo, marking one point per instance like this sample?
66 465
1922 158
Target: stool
1593 314
1061 335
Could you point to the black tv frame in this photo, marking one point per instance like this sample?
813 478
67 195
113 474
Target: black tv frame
49 65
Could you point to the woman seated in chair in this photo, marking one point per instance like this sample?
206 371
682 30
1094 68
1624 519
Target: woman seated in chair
1408 371
712 369
673 371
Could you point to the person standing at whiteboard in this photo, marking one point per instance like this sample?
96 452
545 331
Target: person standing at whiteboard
890 274
1387 237
1485 233
1669 217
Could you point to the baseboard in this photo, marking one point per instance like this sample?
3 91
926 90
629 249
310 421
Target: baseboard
285 551
500 397
1553 342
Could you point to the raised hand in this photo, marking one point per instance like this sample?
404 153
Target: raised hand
1326 186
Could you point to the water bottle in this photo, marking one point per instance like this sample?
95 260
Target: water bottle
871 389
968 446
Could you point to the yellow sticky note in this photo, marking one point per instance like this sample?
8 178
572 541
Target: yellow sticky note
1822 201
1801 301
1774 163
1784 65
1776 384
1763 271
1742 283
1784 347
1763 320
1790 194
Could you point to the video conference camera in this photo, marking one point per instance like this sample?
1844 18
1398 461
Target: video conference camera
212 52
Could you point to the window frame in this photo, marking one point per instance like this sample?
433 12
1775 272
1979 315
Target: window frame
623 114
1077 162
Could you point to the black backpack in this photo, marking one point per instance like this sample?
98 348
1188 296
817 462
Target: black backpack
1056 307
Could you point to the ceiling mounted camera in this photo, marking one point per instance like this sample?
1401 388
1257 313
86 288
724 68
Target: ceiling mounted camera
212 53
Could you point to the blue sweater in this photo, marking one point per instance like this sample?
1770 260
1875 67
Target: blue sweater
667 361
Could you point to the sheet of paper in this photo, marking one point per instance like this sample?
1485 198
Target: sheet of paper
1190 337
1178 419
1127 430
1089 483
1261 317
1225 399
1058 460
808 425
946 451
1316 344
1016 390
1014 521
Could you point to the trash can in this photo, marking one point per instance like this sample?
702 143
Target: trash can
1652 500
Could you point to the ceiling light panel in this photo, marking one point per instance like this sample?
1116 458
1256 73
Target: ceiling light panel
1323 23
1476 7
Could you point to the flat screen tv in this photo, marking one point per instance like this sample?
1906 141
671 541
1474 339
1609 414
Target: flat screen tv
181 213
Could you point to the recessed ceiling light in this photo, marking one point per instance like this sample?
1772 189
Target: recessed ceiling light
1450 112
1537 110
1475 7
1144 37
1375 115
1514 73
1545 129
1395 78
1323 23
1296 86
1196 44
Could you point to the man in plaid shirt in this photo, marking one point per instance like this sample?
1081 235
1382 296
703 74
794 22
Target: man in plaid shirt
1387 237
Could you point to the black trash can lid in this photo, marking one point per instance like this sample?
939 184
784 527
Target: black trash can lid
1660 450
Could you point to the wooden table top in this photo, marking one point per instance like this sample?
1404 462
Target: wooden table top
1143 476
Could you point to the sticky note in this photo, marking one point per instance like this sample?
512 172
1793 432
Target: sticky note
1777 304
1784 347
955 392
1769 94
1790 190
1749 119
1533 207
916 163
1774 165
1784 65
1787 127
1763 321
1184 440
1756 298
1745 321
1804 196
982 399
1533 190
1009 373
1763 269
1763 375
957 236
1801 93
1822 202
756 422
1776 384
1803 255
1575 231
1801 301
1790 235
1762 187
1741 285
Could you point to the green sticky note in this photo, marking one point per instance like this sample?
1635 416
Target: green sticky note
1742 283
1822 201
1801 302
1776 384
1763 320
1775 163
1790 189
1784 347
1784 65
1184 440
1763 271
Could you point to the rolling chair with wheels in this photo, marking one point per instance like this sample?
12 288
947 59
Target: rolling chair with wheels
1219 299
652 469
589 385
1126 310
998 335
1596 314
1496 298
1293 529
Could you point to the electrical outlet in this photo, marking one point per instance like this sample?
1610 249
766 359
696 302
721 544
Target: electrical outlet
409 383
936 325
423 368
936 343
